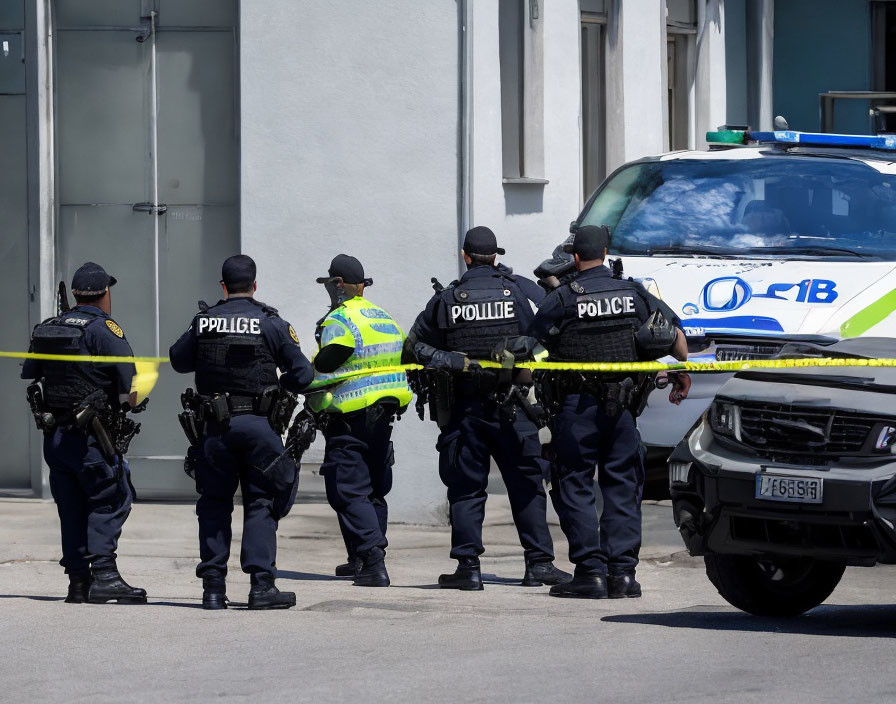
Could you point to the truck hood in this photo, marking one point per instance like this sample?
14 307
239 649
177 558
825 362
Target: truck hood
757 296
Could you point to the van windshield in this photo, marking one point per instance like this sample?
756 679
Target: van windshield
800 207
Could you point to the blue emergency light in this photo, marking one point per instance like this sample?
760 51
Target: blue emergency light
726 137
818 139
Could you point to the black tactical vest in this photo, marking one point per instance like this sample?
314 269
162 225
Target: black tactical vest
232 355
479 313
65 383
598 325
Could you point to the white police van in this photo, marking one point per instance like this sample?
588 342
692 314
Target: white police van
766 235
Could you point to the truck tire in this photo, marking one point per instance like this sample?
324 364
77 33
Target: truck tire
777 587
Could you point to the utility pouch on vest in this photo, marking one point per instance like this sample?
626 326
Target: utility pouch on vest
217 408
617 396
44 420
265 401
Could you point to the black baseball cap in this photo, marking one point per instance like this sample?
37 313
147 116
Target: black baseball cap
347 268
481 240
91 280
238 271
590 242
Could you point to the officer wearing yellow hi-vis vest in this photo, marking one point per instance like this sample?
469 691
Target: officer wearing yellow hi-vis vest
356 336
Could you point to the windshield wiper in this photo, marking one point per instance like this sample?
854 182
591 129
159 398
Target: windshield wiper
815 251
683 251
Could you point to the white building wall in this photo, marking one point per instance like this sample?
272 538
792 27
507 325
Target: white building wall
349 126
710 85
636 93
528 219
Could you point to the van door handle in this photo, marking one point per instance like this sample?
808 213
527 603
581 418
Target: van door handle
150 208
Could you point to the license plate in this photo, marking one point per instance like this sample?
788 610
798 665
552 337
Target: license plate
785 487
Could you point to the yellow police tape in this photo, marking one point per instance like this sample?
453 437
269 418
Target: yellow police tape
143 382
689 366
148 367
96 359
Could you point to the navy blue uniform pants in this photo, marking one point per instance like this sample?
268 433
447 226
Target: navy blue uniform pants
357 471
234 456
585 439
93 499
475 433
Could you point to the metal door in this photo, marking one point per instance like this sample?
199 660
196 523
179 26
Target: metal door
147 179
15 419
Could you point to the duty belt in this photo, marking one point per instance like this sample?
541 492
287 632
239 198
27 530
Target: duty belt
241 405
236 404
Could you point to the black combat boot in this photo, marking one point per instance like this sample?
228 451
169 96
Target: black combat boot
466 577
373 569
264 595
541 573
78 587
582 586
107 585
622 585
214 593
350 568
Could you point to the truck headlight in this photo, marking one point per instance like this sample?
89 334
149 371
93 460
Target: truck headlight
724 419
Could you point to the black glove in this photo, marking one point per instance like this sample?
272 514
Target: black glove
521 347
140 407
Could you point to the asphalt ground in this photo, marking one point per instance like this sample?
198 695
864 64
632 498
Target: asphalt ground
414 642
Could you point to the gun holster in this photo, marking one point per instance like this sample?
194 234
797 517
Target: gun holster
43 419
280 407
87 418
441 397
193 426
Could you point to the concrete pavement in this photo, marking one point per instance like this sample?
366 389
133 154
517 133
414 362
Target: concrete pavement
414 642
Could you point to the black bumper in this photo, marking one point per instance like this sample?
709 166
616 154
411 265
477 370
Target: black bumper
716 511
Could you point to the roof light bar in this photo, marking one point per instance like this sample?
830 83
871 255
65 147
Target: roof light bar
728 137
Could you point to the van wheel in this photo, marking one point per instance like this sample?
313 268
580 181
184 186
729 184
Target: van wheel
773 586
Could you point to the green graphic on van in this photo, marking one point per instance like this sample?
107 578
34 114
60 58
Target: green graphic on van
869 316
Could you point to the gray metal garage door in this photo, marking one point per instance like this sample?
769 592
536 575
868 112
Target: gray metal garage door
146 96
15 419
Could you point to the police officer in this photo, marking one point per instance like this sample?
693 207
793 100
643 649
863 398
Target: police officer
88 478
463 323
235 348
593 318
357 335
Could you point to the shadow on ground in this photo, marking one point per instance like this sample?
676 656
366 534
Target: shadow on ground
860 621
308 576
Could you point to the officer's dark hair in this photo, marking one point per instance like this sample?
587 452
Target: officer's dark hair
240 288
87 300
480 259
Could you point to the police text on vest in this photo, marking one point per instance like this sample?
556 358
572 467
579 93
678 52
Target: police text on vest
239 326
617 305
495 310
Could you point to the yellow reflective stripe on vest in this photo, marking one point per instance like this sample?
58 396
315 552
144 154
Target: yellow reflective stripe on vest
373 372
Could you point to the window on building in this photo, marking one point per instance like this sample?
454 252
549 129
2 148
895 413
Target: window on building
593 27
681 30
522 98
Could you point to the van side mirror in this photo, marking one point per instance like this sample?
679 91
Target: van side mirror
573 226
